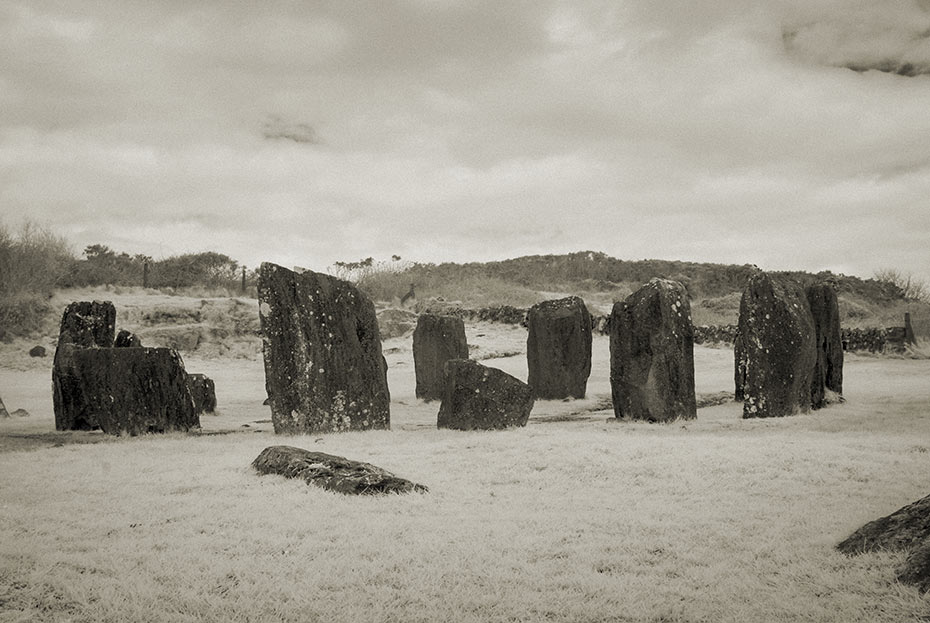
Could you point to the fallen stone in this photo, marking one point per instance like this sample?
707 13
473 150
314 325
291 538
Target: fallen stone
324 370
333 473
558 348
483 398
652 354
84 325
436 340
828 336
203 391
37 351
133 390
20 413
127 339
907 527
777 338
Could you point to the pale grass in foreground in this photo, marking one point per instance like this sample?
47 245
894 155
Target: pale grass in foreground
714 520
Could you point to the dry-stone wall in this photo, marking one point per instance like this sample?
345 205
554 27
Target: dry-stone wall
652 354
324 371
558 348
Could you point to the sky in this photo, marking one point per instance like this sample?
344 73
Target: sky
790 134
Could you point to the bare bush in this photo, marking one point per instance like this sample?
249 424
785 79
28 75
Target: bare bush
911 287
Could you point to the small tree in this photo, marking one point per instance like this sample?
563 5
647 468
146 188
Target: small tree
911 287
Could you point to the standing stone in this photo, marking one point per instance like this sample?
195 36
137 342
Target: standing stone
652 354
203 391
3 412
558 348
436 340
828 335
482 398
909 337
739 373
134 390
84 324
777 331
324 371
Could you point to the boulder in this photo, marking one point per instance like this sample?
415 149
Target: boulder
333 473
652 354
436 340
133 390
778 339
907 527
203 391
37 351
20 413
558 348
84 324
479 397
828 336
395 323
127 339
324 371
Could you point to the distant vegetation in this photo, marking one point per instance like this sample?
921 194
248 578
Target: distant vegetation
34 262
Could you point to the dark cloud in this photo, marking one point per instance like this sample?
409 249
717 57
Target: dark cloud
890 37
276 128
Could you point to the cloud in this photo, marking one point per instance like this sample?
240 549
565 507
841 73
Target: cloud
891 37
276 128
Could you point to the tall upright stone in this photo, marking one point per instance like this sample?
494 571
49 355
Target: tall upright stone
84 324
828 336
779 340
134 390
436 340
739 368
324 371
558 348
909 336
652 354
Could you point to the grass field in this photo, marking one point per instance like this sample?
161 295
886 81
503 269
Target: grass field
572 518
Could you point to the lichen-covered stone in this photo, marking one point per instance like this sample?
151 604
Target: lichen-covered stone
203 391
652 354
828 335
479 397
776 330
558 348
84 324
324 371
333 473
134 390
436 340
